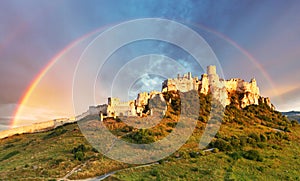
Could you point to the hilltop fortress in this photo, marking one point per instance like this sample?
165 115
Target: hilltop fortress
210 82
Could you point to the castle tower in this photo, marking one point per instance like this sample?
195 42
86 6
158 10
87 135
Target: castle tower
211 70
113 101
212 75
189 75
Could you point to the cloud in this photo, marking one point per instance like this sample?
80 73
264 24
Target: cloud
289 100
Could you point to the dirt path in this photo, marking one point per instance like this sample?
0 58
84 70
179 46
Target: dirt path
101 177
72 171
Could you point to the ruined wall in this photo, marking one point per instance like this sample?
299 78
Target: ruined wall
36 127
184 84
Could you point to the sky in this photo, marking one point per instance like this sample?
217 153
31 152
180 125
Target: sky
251 38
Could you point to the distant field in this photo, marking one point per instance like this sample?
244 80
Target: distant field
293 115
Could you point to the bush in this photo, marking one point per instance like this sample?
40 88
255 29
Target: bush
171 124
216 150
276 147
235 155
255 136
79 155
235 143
251 141
193 154
95 150
9 155
81 148
79 152
286 129
8 146
55 133
263 138
253 155
222 145
194 169
294 123
261 145
154 172
142 136
127 129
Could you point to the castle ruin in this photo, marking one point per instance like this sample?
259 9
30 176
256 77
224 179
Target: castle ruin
208 83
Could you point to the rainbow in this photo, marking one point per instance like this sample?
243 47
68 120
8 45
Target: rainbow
24 99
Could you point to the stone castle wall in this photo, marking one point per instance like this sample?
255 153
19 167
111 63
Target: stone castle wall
36 127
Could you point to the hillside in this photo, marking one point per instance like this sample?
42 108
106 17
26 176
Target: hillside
254 143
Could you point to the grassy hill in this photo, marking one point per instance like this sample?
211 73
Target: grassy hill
255 143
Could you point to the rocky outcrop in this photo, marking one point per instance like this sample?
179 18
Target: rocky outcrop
267 101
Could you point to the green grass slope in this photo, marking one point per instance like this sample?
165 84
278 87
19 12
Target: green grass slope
255 143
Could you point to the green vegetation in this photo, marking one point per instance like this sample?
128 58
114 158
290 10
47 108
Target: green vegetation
10 154
79 152
255 143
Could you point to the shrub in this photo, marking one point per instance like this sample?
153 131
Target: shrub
55 133
235 143
294 123
171 124
261 145
9 155
194 169
255 136
263 138
79 152
142 136
154 172
235 155
95 150
243 140
8 146
193 154
79 155
286 129
253 155
216 150
127 129
276 147
222 145
251 141
79 148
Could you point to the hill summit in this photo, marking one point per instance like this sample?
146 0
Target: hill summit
209 83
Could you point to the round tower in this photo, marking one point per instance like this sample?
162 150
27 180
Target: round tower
211 70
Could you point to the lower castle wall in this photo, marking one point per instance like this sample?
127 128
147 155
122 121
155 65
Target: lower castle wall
36 127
